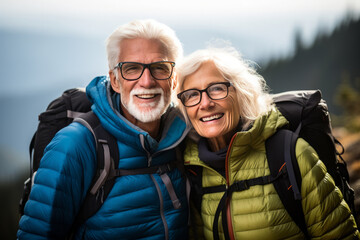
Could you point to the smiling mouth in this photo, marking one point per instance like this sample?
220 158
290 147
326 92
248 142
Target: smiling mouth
146 96
211 118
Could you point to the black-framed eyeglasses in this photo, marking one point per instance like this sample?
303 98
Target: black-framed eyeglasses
132 71
215 91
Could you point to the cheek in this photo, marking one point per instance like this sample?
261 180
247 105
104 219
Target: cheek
232 115
125 90
204 132
166 87
191 113
233 112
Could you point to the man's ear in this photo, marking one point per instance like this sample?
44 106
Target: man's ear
115 83
174 80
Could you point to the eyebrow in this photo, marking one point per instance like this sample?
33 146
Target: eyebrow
211 83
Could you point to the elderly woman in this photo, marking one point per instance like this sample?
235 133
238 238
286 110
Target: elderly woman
226 102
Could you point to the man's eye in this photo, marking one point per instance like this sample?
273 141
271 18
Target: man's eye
132 68
161 67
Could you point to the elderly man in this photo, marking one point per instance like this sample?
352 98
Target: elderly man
133 104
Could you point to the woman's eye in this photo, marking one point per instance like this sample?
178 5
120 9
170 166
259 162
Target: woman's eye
217 88
192 95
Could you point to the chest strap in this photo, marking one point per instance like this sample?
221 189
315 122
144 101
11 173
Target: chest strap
161 170
235 187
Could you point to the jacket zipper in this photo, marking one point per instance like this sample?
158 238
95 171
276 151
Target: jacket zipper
227 175
227 179
150 157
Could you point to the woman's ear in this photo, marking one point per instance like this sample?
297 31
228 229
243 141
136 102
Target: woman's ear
115 83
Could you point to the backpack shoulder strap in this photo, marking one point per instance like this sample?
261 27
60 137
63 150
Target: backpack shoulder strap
107 160
280 151
194 175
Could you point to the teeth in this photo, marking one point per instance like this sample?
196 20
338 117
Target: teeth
146 96
216 116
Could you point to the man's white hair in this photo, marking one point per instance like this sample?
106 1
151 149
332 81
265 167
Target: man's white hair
147 29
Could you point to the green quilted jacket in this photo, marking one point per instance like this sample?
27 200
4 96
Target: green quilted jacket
257 213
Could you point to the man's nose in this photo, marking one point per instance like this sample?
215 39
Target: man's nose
146 80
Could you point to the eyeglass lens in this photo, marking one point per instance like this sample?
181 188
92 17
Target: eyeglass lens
215 92
159 70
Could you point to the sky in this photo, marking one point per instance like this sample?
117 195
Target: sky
259 29
268 24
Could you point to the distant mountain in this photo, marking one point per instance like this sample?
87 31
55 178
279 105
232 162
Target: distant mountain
14 163
32 61
323 65
34 69
19 119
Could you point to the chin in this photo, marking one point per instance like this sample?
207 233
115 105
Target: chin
209 135
147 113
148 116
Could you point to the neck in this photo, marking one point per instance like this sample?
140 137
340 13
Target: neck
216 144
221 142
153 128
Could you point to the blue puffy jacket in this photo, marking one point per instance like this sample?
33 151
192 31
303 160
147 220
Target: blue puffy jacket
138 206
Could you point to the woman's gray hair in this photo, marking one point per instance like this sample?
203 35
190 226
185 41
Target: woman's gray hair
251 88
148 29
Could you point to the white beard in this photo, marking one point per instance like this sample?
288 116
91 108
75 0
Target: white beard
146 112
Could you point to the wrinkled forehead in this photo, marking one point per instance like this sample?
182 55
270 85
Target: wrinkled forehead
142 50
206 74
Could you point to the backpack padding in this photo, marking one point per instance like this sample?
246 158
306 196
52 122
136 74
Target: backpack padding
311 110
297 105
59 113
55 118
277 151
94 200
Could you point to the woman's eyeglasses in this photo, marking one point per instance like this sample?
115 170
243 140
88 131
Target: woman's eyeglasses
215 91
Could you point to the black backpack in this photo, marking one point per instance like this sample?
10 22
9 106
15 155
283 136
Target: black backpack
73 105
308 118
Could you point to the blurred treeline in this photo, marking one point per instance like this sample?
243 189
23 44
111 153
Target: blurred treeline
10 192
330 63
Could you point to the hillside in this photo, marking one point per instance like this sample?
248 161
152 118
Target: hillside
330 59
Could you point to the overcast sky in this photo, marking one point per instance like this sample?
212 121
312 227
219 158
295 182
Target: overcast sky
263 21
259 29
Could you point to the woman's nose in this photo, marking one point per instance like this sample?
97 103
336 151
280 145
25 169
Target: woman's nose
205 101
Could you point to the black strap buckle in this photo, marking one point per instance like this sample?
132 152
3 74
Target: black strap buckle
283 172
240 185
163 169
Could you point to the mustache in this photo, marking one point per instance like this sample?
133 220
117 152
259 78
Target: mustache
146 91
